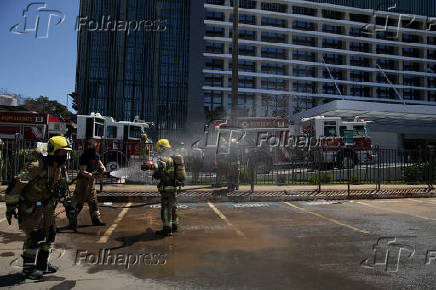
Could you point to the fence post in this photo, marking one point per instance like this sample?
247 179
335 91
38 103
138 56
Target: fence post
318 165
378 168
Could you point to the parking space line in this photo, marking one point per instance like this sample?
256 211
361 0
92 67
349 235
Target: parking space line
224 218
395 211
110 230
327 218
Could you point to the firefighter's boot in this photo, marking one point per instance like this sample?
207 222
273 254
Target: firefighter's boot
96 221
165 232
43 265
29 269
174 229
95 214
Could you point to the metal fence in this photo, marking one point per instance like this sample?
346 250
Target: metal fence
386 166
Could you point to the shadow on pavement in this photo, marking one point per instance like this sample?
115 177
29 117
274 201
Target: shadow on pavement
129 241
11 280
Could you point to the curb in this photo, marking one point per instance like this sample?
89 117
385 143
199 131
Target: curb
203 197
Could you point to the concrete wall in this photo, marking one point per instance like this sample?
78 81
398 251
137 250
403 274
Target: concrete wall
387 140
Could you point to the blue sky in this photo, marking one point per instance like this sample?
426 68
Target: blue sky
43 66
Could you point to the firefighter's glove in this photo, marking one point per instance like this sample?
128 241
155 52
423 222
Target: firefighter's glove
12 212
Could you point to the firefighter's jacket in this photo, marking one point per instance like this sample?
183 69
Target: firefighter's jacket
34 186
164 171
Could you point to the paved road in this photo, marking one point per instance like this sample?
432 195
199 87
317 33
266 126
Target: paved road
374 244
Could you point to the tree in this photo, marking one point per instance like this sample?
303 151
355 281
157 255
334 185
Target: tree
45 106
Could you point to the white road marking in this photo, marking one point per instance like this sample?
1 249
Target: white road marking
327 218
111 229
225 219
395 211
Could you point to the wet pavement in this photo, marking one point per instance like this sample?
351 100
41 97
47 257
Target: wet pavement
368 244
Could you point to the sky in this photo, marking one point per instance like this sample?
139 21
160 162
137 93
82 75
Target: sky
39 63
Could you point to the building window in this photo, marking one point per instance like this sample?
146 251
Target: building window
359 61
303 11
411 66
213 31
276 22
303 25
214 15
212 47
212 80
244 34
333 58
303 55
248 4
332 29
275 7
245 50
303 71
273 37
332 43
358 46
245 19
244 65
271 52
411 52
276 69
360 91
332 14
304 40
274 84
359 76
214 64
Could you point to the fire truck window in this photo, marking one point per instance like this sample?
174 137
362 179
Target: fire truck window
111 132
359 130
99 127
135 132
342 130
89 128
330 129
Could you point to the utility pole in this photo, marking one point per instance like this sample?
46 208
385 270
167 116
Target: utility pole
235 63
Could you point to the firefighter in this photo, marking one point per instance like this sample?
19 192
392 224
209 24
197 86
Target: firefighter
170 172
32 195
85 191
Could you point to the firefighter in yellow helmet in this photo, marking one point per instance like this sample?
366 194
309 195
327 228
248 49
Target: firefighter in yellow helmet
170 171
30 198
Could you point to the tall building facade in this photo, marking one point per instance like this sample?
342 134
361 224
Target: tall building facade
294 55
149 68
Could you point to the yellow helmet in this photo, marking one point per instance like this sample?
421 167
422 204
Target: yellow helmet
162 145
144 136
58 143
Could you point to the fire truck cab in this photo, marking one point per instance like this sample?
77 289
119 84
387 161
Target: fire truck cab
342 143
117 141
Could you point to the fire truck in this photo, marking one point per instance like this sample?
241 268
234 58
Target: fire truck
338 143
280 143
117 141
31 126
248 132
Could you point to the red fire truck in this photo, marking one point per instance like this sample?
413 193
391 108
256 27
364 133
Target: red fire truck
342 144
31 126
278 142
117 141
